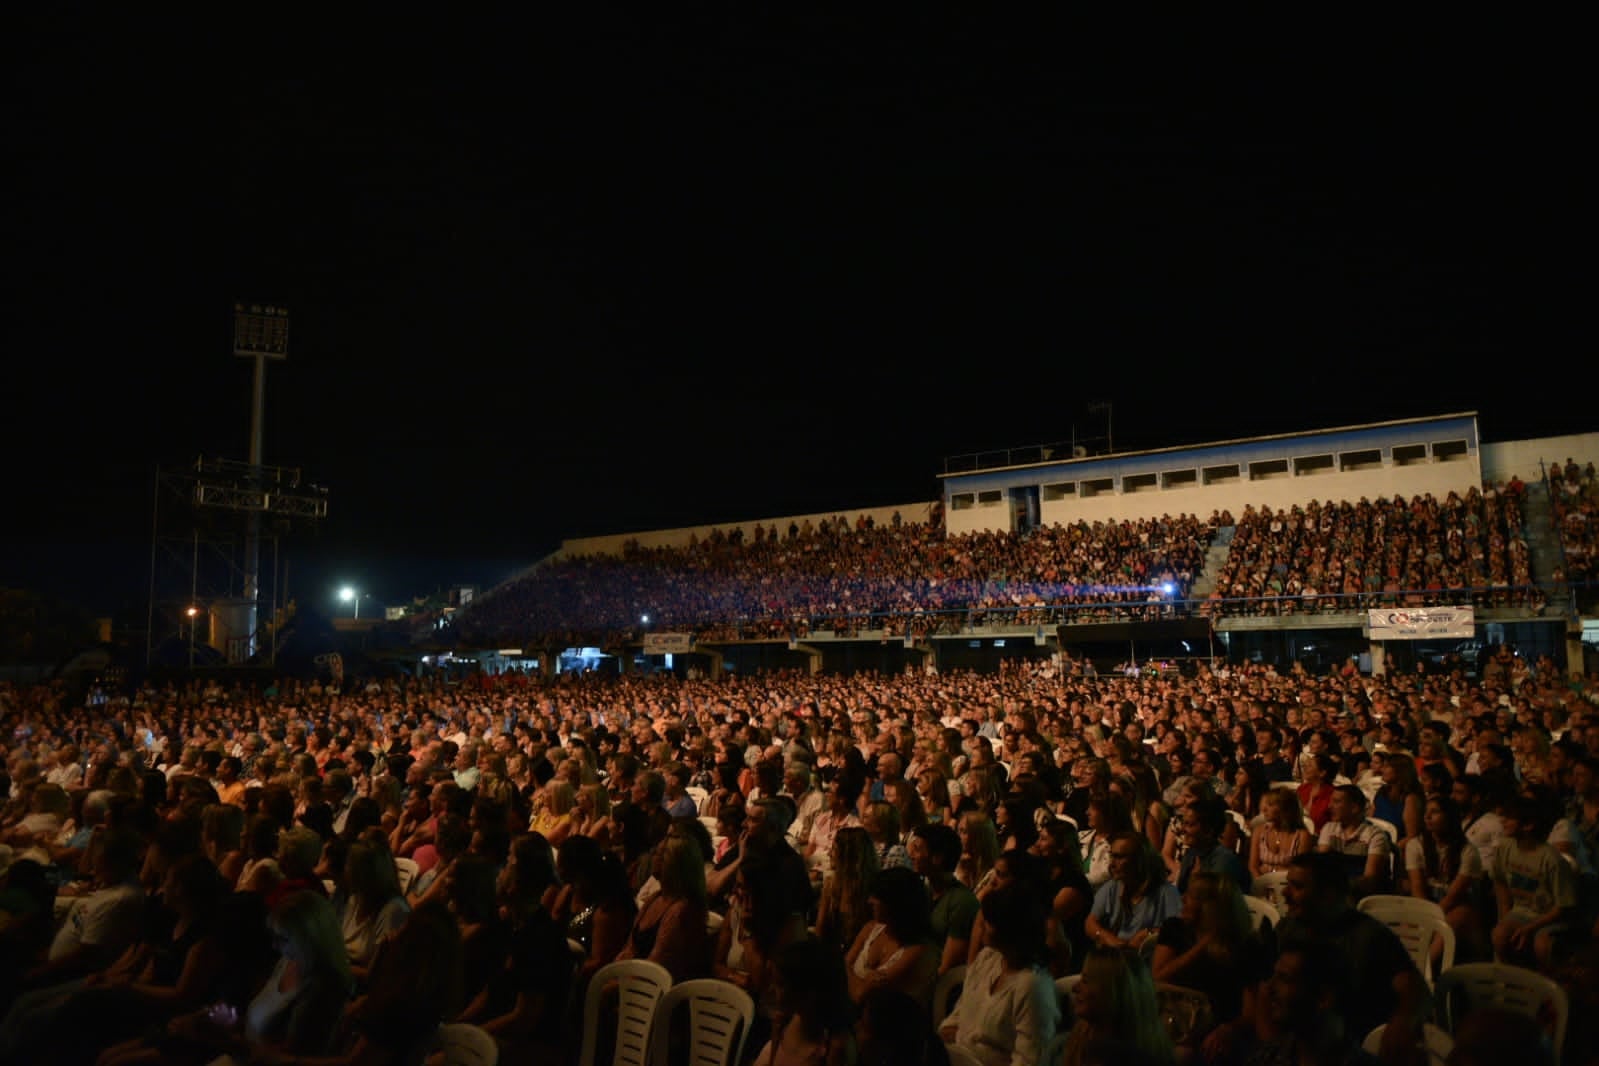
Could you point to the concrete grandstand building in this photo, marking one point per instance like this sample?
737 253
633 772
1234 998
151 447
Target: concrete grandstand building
1347 475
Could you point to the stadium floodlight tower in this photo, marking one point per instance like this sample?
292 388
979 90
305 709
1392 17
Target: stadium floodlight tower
262 334
196 561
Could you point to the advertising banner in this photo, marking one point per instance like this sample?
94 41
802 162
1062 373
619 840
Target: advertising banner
1420 623
668 643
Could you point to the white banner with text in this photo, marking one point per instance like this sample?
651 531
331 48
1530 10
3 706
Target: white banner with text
1421 623
668 643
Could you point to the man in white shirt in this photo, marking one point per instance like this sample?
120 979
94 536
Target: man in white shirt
808 803
1366 850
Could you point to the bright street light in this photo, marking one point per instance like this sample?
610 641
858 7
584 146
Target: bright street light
348 594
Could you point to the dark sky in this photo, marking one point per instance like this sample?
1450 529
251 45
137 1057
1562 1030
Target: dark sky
611 271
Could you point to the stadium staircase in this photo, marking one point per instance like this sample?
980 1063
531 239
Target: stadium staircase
1543 544
1215 556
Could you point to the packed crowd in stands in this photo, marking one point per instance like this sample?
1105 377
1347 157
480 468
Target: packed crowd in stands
1574 500
304 874
1353 555
912 578
907 577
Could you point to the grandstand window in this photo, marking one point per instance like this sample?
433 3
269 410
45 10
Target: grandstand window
1267 469
1096 487
1139 483
1217 475
961 501
1410 454
1370 459
1448 451
990 498
1060 490
1179 479
1307 465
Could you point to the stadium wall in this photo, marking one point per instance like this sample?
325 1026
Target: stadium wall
1522 458
1406 458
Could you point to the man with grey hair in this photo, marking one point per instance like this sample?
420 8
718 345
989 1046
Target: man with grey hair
799 786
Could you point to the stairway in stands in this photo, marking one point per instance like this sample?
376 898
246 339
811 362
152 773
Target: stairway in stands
1215 558
1543 539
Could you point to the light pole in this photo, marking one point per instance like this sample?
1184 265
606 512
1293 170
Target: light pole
350 595
193 613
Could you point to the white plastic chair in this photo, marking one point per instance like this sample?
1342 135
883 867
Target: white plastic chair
641 985
1387 827
462 1044
720 1014
1270 887
406 869
1263 911
1065 989
698 795
1439 1043
1470 985
947 991
1417 923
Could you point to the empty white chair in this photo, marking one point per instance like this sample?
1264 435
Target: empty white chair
719 1018
1468 986
640 985
1417 923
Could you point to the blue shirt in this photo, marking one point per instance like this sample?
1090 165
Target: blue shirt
1148 913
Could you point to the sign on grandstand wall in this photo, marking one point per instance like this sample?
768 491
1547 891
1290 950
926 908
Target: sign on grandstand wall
1421 623
668 643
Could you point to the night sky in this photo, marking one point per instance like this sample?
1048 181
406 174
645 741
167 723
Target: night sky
606 271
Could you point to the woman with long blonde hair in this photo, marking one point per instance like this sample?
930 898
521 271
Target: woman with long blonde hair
553 811
979 849
1114 1003
592 817
1212 945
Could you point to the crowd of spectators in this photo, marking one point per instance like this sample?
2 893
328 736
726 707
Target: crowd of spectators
1574 502
310 873
1351 555
913 578
906 577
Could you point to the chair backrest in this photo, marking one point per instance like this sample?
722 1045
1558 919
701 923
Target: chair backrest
1417 923
1387 827
1439 1043
1186 1012
1269 886
720 1015
1065 987
462 1044
1287 786
1467 986
640 987
698 795
1263 911
946 991
406 869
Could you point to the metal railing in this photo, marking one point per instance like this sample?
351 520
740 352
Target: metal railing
972 619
